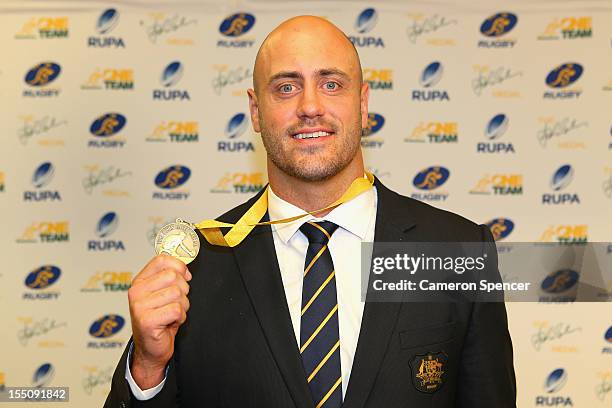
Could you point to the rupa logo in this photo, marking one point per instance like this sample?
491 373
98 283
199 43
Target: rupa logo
44 28
235 128
105 24
105 227
43 375
105 129
565 234
108 281
430 77
170 77
375 124
559 181
45 232
111 79
554 383
169 180
38 282
42 177
495 28
379 79
499 184
104 328
560 78
39 77
568 28
235 26
500 228
243 183
495 129
434 132
365 22
176 132
429 179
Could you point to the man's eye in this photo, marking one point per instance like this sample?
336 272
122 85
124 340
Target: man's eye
331 86
286 88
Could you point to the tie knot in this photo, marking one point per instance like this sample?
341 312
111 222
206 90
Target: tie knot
318 232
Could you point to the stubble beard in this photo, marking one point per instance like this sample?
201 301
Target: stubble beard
311 166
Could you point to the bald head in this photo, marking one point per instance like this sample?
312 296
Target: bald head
302 35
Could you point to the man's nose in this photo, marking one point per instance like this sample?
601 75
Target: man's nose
310 104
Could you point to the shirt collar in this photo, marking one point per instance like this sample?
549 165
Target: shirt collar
354 215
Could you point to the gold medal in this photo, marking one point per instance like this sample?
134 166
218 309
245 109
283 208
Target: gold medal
179 240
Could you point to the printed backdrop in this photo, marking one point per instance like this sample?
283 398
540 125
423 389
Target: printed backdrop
118 117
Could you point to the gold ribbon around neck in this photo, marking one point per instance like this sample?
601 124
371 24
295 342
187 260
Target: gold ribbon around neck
211 229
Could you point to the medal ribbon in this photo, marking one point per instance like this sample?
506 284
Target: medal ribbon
211 229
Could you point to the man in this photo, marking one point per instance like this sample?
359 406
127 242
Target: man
277 321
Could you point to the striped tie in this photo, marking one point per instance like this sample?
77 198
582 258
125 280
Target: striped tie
319 336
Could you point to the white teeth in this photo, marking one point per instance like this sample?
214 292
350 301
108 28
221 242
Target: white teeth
311 135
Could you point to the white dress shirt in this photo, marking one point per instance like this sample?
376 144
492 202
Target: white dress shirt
356 220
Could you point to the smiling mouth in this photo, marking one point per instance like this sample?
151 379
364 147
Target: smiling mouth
311 135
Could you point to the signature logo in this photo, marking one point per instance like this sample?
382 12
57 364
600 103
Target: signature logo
96 378
558 128
426 25
604 387
548 332
34 127
488 77
97 176
32 328
162 25
229 76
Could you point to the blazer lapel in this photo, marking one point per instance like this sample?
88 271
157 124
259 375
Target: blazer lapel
378 321
256 258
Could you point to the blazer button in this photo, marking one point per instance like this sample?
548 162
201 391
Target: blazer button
122 404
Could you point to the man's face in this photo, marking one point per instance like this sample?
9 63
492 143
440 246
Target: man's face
310 104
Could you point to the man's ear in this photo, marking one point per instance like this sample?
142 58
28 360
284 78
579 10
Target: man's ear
254 109
365 95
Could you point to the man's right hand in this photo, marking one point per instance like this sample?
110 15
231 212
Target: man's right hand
158 306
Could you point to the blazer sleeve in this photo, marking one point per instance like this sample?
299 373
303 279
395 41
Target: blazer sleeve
120 395
486 374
